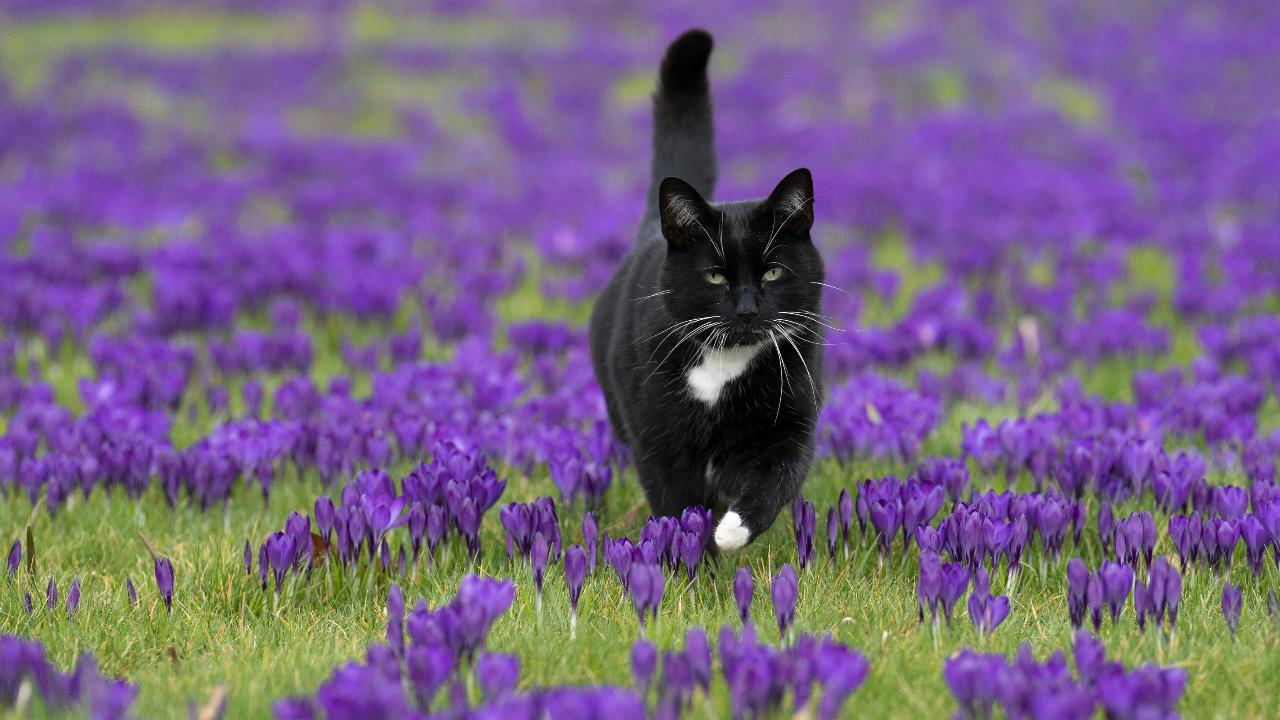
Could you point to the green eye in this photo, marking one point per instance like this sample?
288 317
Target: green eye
772 274
714 277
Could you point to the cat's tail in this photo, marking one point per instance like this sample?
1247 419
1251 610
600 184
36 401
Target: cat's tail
683 138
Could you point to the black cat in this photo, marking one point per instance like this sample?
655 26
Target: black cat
707 341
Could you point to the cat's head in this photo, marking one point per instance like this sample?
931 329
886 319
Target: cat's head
749 268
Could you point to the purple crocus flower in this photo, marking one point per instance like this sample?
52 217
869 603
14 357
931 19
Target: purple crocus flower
886 516
784 592
51 595
428 666
985 611
293 709
743 588
479 602
833 532
968 676
26 601
575 573
280 552
690 551
1148 536
248 558
1077 591
1256 538
647 585
955 580
15 557
677 683
384 554
1106 526
133 592
1095 598
1146 691
437 523
928 539
538 559
1090 656
326 518
417 524
1232 604
395 619
644 660
263 566
73 597
591 538
620 554
804 522
846 516
698 653
164 581
1172 596
1143 604
929 586
1228 536
517 521
498 674
1117 580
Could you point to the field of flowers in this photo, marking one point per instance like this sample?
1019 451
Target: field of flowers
297 418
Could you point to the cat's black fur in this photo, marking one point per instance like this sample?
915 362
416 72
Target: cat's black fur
745 450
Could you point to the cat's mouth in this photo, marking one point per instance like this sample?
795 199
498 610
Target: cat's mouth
748 334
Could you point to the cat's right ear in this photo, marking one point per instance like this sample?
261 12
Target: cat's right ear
684 213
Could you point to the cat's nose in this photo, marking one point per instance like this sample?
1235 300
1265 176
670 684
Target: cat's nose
746 308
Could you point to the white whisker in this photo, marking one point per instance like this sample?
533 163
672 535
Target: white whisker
833 287
646 297
783 379
813 386
673 327
675 347
814 317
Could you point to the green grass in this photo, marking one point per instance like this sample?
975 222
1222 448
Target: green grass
224 630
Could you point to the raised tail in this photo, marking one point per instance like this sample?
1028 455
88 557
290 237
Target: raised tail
683 137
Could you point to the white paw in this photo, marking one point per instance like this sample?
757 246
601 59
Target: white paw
731 534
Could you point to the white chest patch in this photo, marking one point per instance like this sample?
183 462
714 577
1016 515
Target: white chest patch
719 368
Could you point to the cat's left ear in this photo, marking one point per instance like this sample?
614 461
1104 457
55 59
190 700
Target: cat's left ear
792 203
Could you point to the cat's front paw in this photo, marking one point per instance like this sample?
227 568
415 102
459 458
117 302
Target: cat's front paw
731 533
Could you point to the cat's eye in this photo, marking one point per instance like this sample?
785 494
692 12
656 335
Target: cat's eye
714 277
772 274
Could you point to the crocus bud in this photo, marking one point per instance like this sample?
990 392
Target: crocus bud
784 592
575 573
164 581
538 559
73 597
395 619
644 660
1232 603
498 674
591 538
743 588
15 557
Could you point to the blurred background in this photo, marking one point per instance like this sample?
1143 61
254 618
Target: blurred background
357 152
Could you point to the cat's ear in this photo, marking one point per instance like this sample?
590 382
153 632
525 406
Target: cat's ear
684 213
792 203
